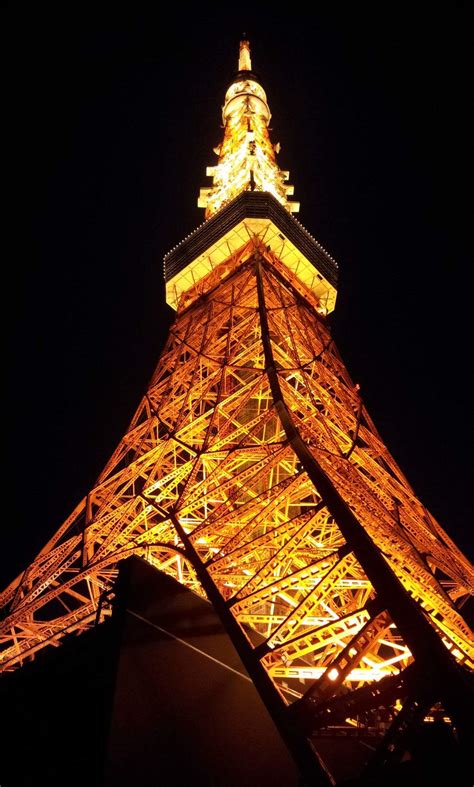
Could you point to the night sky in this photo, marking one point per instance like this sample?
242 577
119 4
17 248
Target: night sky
110 123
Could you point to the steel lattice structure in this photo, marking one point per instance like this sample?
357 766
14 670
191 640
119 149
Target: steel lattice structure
252 473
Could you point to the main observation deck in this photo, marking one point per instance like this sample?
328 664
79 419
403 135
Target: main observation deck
252 214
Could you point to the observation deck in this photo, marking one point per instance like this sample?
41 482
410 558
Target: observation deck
252 214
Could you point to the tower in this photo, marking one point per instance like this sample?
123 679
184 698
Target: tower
253 474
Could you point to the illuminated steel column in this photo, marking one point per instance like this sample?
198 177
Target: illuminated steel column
253 474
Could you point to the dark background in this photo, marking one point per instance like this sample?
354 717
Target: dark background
110 122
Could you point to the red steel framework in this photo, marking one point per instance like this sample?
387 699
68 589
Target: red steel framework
253 474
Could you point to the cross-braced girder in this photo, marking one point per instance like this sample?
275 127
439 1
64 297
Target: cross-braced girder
211 485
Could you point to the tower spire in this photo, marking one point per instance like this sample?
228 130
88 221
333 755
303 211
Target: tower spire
245 62
247 157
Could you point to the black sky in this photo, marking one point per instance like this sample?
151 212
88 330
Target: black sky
110 122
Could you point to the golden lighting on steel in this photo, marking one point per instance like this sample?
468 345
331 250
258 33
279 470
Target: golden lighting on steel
209 477
246 156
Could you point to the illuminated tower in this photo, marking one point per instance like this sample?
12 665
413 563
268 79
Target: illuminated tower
253 474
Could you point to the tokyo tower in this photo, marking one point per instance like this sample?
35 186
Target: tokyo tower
253 474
